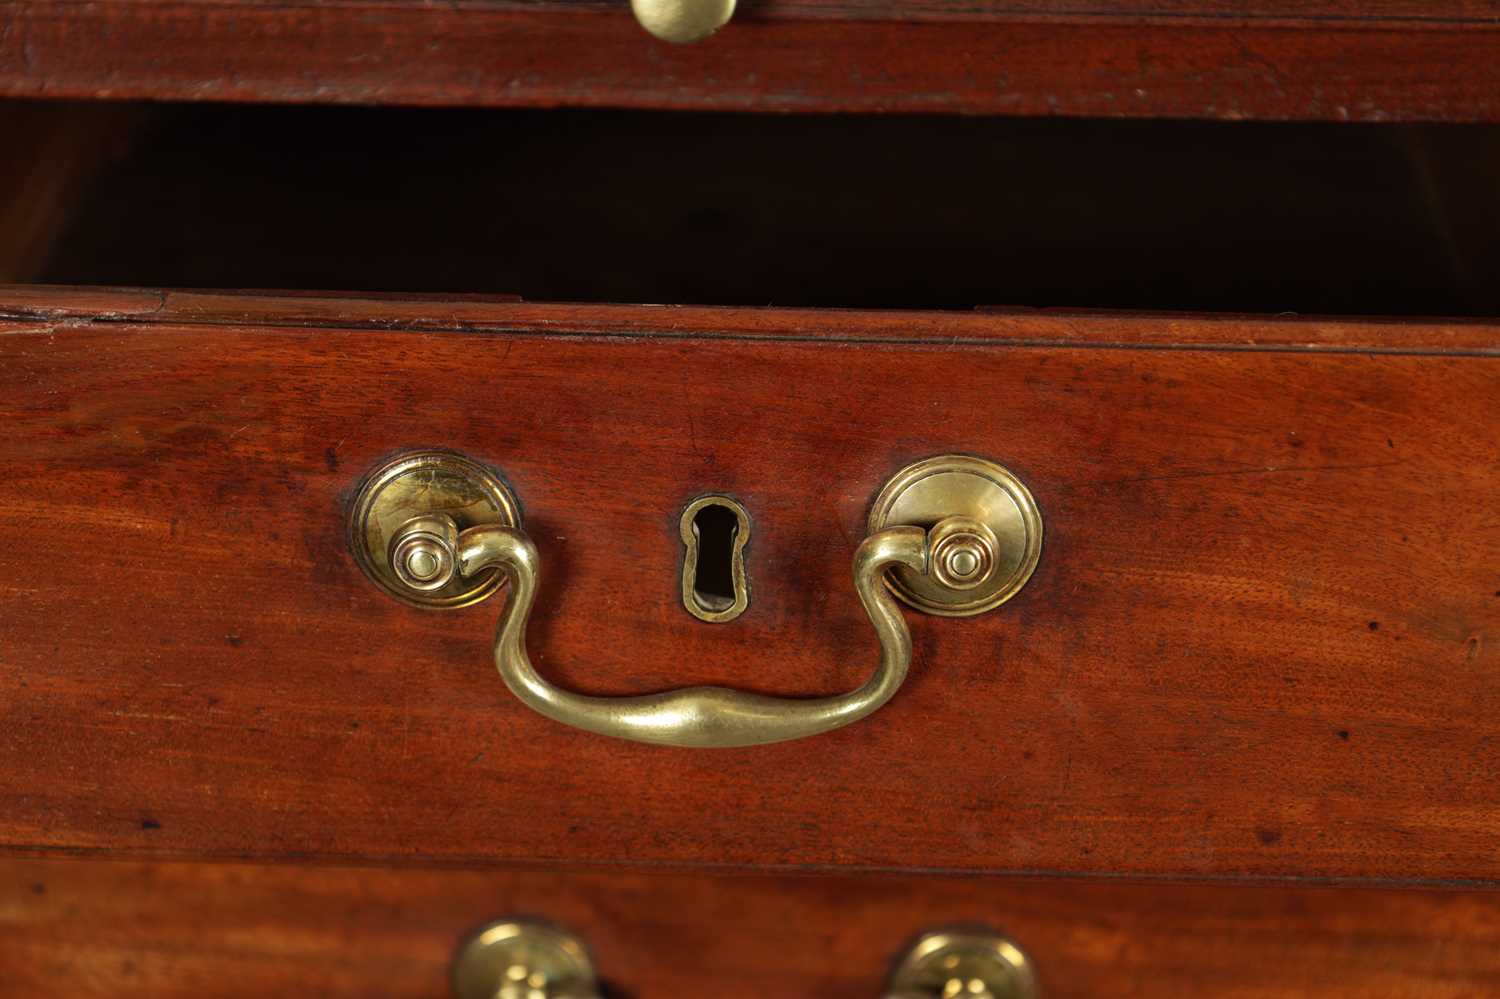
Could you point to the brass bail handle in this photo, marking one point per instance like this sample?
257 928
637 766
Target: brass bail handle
462 546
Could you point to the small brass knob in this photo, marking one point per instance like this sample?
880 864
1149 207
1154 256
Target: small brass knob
422 552
523 959
963 552
963 964
682 21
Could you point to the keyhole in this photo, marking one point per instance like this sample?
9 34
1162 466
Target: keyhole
715 530
716 527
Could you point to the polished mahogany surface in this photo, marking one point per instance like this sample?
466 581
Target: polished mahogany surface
1261 640
163 930
1332 60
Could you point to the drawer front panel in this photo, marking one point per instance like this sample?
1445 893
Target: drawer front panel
1262 637
1397 61
76 928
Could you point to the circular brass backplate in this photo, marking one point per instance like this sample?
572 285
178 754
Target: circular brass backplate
523 958
966 957
427 482
956 485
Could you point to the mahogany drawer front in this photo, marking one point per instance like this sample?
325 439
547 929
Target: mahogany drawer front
86 928
1330 60
1261 639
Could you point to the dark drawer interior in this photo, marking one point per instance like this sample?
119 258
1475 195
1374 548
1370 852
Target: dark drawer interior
868 211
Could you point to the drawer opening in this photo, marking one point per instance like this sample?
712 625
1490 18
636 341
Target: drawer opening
851 211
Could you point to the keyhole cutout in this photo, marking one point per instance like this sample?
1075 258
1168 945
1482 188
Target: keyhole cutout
714 587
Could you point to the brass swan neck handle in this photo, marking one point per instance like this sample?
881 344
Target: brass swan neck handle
952 535
693 716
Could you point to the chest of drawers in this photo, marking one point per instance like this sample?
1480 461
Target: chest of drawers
381 643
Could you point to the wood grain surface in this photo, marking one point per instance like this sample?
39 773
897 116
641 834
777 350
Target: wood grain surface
1261 641
1283 11
1334 60
988 326
99 928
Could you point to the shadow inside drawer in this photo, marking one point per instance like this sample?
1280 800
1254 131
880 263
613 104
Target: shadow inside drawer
910 212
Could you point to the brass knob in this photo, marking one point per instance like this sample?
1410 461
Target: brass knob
963 964
421 553
964 551
682 21
523 959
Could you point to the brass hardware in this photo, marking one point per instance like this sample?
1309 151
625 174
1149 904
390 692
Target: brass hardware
711 607
682 21
963 964
959 535
986 533
519 959
691 716
963 552
422 555
420 484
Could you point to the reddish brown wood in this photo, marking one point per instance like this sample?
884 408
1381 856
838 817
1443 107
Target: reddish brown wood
1262 639
1418 12
1333 60
1016 327
42 301
76 928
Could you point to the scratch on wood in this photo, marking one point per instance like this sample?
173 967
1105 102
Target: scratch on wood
1229 473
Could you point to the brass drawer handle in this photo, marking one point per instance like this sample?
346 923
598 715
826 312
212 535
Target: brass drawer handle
957 564
963 964
696 716
523 959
